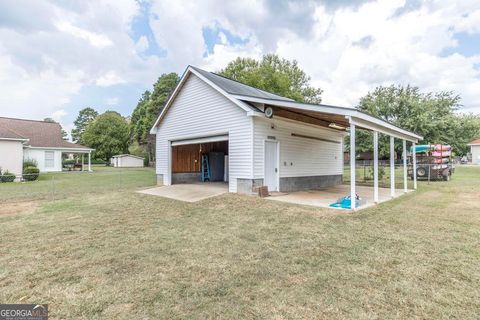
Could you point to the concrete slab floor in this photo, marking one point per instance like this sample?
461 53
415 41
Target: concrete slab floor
323 198
189 192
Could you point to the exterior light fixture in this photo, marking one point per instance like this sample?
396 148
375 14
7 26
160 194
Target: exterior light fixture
336 126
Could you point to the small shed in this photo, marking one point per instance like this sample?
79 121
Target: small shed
126 161
475 151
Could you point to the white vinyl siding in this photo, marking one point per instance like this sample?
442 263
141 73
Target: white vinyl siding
39 155
126 162
11 156
475 154
299 157
201 111
49 159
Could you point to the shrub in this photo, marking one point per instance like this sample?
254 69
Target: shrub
7 176
69 161
31 173
30 163
96 161
381 173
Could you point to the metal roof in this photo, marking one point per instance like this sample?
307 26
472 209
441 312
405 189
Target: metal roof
245 96
127 155
235 87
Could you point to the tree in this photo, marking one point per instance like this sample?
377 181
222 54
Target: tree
147 110
463 129
432 115
85 116
108 134
64 133
150 105
276 75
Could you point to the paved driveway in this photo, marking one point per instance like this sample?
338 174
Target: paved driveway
189 192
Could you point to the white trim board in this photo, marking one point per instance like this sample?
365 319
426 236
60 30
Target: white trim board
200 140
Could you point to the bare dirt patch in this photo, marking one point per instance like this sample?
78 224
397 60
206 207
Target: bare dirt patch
9 208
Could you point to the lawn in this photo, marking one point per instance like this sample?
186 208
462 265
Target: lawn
53 186
114 253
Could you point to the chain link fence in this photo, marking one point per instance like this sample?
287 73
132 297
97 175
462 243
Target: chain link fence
54 186
425 172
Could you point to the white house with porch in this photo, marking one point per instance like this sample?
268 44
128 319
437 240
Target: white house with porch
41 141
254 138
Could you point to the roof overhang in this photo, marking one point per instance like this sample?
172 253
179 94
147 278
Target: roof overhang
127 155
15 139
72 150
198 140
329 114
351 116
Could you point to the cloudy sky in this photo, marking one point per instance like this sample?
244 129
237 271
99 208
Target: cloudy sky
57 57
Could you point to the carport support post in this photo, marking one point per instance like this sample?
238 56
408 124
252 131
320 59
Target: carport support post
392 166
405 188
82 163
375 166
352 167
414 160
89 161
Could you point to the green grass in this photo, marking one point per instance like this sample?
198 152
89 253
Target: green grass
62 184
119 254
364 176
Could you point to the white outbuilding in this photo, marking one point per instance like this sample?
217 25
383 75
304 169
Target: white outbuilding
126 161
254 138
475 151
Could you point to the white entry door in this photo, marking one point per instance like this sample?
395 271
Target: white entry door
271 165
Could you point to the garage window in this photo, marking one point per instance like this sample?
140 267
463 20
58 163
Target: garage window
49 159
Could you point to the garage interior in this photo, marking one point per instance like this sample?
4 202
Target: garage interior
187 162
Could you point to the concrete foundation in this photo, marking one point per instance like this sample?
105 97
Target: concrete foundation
188 177
160 181
292 184
248 186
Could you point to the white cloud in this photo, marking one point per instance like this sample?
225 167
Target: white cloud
109 79
42 68
112 101
142 44
58 115
50 51
96 40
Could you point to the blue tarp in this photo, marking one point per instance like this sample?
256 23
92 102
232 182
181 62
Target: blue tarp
345 203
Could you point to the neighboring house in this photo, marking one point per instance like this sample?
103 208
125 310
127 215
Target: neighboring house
475 151
11 151
38 140
268 140
126 161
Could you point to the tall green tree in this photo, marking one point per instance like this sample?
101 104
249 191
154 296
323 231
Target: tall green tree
108 134
85 116
276 75
463 129
150 105
146 112
64 133
432 115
